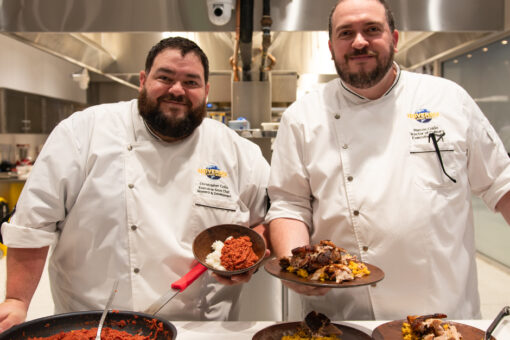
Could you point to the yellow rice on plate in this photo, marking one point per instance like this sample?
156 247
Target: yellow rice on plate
301 335
407 333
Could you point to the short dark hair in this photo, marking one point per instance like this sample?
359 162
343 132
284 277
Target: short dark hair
389 16
179 43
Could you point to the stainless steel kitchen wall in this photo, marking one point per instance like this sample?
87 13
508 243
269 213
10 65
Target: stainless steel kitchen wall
149 16
192 15
109 37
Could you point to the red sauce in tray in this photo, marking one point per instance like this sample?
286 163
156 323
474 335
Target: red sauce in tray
108 333
90 334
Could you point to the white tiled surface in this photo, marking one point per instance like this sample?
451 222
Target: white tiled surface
493 278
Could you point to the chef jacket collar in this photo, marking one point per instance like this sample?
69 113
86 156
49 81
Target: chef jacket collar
356 98
152 133
141 131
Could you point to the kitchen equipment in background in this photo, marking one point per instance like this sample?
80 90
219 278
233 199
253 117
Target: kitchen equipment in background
250 133
270 126
176 287
22 154
219 116
4 209
23 162
269 129
240 123
256 133
38 149
252 99
23 170
262 138
7 158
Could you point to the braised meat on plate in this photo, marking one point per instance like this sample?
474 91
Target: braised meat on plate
429 327
316 326
324 262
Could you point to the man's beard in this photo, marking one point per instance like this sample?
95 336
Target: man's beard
168 126
364 79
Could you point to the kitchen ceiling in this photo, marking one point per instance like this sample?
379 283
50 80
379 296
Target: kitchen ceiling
111 38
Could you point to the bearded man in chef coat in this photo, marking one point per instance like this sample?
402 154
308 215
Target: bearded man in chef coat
121 190
383 163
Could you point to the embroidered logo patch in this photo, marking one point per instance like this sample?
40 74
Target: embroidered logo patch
213 172
423 115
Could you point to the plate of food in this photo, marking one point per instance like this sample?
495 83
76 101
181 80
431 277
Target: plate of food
433 326
229 249
324 265
316 326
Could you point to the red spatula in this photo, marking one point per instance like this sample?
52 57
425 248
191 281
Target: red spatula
176 287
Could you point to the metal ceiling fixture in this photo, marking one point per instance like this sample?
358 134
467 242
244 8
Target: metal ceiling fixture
111 38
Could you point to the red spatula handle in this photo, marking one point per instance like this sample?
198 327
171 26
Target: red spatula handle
189 278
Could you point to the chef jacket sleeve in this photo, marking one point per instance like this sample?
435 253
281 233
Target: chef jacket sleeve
488 161
289 188
50 191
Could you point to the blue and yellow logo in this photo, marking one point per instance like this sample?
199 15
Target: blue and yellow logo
213 172
423 116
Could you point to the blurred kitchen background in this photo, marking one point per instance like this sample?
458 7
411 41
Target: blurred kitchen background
60 56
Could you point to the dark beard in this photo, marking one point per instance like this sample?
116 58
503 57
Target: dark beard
363 79
168 126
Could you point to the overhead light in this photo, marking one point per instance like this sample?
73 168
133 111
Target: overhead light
504 42
469 56
485 49
455 61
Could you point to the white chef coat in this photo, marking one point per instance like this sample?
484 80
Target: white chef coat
118 203
363 174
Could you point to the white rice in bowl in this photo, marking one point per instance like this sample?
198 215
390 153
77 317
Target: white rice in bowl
214 258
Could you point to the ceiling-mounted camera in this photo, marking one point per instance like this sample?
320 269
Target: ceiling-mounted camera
220 11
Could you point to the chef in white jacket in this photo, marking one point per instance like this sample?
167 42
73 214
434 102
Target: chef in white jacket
120 191
383 163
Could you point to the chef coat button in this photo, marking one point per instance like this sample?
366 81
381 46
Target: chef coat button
355 212
365 248
130 147
345 146
134 227
136 270
131 186
337 116
350 178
